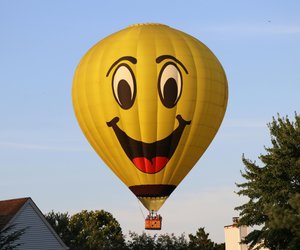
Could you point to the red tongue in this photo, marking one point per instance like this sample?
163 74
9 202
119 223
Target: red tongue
150 167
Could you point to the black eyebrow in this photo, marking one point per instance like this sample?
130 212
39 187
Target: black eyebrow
164 57
128 58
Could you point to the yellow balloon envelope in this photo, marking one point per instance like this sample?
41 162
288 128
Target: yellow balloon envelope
150 99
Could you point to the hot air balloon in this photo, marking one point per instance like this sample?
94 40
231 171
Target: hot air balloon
150 100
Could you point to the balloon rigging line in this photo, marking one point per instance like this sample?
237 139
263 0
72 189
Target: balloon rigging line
141 208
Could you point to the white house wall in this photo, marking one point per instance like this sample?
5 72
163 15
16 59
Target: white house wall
233 237
37 236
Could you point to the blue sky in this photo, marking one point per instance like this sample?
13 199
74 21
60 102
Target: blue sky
43 153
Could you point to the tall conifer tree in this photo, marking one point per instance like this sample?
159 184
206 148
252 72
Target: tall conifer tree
273 189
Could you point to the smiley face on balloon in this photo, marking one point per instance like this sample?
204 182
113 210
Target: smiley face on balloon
150 99
148 157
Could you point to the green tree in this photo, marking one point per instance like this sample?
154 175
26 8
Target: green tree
201 241
161 242
88 230
60 223
95 230
171 242
288 219
9 237
273 189
143 241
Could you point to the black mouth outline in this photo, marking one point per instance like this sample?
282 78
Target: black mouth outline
165 147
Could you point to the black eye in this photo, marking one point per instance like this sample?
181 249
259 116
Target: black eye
124 87
169 85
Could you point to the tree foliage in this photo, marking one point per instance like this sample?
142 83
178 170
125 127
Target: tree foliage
274 189
201 241
161 242
60 223
88 230
97 230
166 241
9 237
143 241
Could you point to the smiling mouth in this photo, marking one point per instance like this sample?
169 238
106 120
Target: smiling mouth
152 157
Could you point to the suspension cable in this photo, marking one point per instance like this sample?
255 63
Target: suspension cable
141 209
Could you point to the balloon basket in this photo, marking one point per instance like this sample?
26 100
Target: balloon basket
153 221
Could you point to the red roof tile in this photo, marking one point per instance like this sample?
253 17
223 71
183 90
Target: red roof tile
9 208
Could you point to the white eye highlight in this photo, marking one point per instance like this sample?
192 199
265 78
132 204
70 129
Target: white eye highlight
169 85
124 86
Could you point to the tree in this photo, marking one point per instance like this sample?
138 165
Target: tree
9 237
99 230
201 241
274 189
288 219
88 230
161 242
95 230
60 223
171 242
143 241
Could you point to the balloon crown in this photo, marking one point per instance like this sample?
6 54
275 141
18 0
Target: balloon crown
147 24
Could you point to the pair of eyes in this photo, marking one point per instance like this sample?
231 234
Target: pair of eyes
169 85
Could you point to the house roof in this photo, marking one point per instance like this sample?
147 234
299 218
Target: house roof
9 208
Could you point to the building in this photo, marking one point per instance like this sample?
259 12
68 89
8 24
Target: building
234 235
23 213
